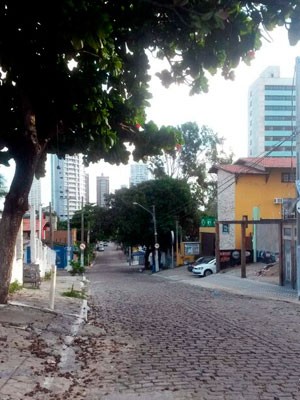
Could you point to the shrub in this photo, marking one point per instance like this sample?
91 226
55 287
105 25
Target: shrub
76 269
74 293
14 287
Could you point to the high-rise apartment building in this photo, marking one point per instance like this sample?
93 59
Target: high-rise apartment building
271 115
102 188
34 198
139 172
87 188
68 185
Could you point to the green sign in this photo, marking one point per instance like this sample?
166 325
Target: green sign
208 222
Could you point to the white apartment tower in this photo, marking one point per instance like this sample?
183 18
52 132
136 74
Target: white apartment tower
139 172
34 198
102 187
271 115
87 188
68 185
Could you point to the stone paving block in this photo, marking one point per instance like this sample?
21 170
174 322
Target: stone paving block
147 337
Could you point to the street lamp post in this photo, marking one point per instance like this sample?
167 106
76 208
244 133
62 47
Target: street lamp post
156 245
68 233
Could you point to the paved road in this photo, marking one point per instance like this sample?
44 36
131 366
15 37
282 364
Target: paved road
152 338
231 281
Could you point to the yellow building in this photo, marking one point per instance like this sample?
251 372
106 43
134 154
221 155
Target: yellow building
253 187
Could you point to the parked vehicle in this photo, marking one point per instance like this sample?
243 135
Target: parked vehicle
200 260
99 247
205 269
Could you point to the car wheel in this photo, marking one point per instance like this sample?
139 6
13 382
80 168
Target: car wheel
207 272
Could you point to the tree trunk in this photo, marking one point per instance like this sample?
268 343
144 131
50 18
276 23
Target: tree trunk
16 204
27 153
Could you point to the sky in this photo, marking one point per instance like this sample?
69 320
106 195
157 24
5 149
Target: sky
224 109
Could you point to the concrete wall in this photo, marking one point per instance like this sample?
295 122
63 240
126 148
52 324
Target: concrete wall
226 207
61 237
268 238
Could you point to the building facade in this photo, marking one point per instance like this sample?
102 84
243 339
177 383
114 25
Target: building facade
271 115
139 173
68 185
87 188
34 197
254 188
102 190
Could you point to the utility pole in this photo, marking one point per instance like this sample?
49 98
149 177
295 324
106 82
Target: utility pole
177 249
40 222
33 234
298 169
51 226
68 232
156 244
82 235
88 240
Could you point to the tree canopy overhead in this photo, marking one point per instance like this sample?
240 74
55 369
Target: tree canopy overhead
97 106
94 108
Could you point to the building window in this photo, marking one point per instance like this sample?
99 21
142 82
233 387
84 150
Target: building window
288 177
278 128
277 138
280 108
279 87
280 98
280 148
279 118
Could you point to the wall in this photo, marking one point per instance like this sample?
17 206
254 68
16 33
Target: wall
226 207
268 238
60 237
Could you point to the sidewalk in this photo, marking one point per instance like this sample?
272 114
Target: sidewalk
35 339
254 285
40 298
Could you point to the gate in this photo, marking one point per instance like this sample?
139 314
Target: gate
287 248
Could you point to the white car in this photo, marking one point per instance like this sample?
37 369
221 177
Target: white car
205 269
100 247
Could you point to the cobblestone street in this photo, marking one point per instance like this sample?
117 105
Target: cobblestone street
166 336
166 339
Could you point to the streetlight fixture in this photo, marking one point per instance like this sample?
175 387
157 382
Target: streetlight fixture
156 245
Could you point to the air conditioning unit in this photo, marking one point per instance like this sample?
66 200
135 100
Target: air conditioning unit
278 200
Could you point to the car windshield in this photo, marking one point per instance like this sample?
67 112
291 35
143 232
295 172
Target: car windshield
203 260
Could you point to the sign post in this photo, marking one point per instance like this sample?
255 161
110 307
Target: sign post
82 248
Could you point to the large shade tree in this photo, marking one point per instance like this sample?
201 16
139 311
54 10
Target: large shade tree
94 108
190 160
132 211
97 222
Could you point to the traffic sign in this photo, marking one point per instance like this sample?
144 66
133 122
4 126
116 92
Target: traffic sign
82 246
156 245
